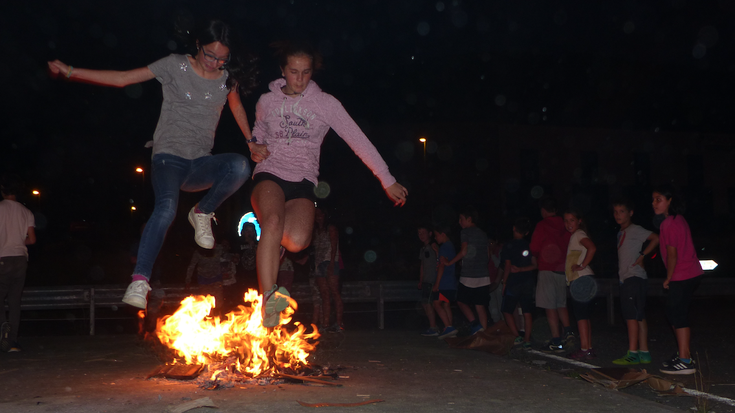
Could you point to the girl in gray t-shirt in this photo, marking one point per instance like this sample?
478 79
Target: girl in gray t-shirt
195 88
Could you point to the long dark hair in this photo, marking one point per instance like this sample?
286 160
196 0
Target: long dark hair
287 48
242 67
677 206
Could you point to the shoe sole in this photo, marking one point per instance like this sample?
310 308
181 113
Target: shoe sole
199 242
448 335
679 372
135 302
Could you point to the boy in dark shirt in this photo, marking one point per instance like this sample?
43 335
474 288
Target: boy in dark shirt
519 280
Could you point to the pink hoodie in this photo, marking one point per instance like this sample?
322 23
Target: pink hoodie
294 128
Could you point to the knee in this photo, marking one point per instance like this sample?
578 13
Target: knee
239 166
297 242
272 223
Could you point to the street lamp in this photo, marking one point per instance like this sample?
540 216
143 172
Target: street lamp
423 140
142 172
37 193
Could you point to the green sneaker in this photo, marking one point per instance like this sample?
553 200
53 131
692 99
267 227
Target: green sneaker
526 345
629 359
645 357
518 341
275 301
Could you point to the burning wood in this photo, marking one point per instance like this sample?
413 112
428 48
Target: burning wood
237 348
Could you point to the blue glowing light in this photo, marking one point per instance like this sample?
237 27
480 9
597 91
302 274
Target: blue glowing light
249 217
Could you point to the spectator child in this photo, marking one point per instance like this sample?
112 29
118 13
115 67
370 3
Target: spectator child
683 274
427 278
549 244
474 282
580 252
445 287
519 280
633 282
17 231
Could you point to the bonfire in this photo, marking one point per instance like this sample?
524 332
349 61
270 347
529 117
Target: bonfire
237 344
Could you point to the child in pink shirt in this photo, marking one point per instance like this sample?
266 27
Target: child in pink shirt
683 273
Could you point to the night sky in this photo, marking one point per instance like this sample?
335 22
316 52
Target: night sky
397 66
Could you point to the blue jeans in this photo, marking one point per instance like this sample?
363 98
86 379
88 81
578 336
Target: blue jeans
222 174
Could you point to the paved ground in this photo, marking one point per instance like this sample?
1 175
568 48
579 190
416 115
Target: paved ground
411 373
105 373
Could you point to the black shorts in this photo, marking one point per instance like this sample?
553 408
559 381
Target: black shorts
583 311
473 296
519 294
633 292
292 190
679 299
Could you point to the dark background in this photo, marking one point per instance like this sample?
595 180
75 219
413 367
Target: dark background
399 67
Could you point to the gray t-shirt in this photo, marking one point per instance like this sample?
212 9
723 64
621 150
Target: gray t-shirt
190 111
474 264
630 244
427 255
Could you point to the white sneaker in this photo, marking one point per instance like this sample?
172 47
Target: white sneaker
202 224
137 293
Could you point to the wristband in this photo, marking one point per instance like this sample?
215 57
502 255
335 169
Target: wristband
252 140
68 72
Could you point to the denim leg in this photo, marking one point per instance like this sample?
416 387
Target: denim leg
168 172
224 174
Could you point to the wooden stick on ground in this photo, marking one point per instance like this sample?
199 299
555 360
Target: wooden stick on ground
307 379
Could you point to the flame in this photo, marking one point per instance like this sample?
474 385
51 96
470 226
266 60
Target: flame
198 337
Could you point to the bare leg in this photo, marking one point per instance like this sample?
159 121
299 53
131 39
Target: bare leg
482 315
585 334
683 335
511 322
633 337
563 316
466 310
321 282
643 335
442 312
552 316
333 283
528 317
282 223
429 309
270 207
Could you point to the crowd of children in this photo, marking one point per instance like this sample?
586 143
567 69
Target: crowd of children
554 263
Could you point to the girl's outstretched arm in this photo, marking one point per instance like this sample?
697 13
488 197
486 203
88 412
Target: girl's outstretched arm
114 78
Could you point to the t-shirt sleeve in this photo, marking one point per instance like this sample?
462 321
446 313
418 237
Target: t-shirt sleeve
162 68
30 220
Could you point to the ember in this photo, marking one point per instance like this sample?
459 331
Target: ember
237 345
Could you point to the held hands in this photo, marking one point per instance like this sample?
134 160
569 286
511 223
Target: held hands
435 288
444 260
577 267
258 152
514 269
397 193
666 283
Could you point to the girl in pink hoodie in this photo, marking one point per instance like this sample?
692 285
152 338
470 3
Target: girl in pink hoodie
290 124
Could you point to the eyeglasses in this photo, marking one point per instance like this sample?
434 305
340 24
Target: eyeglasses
212 58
